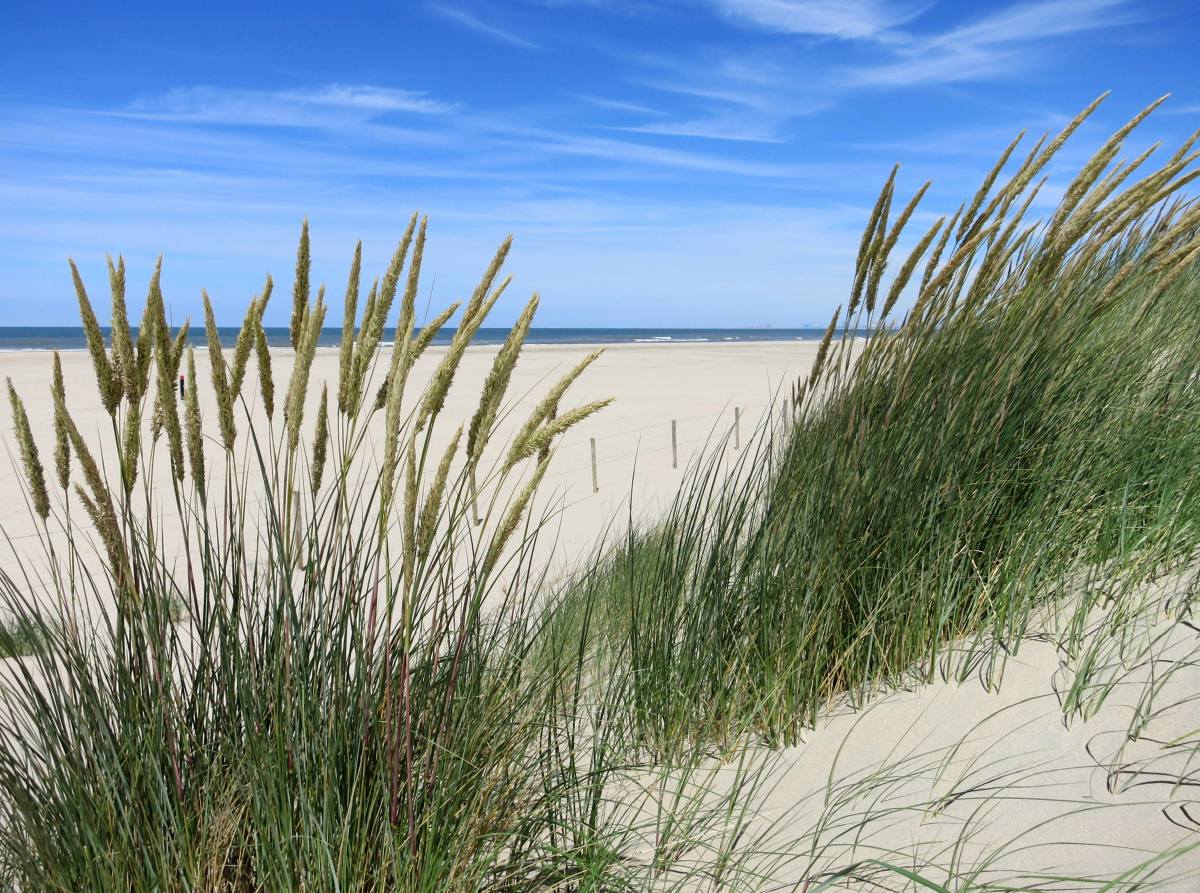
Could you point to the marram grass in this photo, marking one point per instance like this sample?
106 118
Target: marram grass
347 683
346 699
1030 422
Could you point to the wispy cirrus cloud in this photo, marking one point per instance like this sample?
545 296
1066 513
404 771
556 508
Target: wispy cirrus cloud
619 106
466 19
844 19
992 45
721 128
330 105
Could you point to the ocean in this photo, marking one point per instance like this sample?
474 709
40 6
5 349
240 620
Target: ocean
72 338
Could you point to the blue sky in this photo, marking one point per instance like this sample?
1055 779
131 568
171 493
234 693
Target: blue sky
660 162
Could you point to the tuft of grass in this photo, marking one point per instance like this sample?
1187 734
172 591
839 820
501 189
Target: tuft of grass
333 677
1031 416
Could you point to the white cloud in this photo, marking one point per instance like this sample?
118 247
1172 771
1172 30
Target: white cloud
620 106
992 45
465 18
716 128
331 105
845 19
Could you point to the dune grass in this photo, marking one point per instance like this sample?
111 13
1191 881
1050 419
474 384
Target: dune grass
347 699
1032 420
318 671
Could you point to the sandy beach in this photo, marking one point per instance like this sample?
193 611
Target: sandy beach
698 385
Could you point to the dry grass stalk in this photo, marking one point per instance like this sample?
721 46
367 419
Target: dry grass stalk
35 475
443 376
1092 171
906 271
62 440
179 344
147 337
866 246
192 422
512 519
320 440
408 305
220 376
936 256
419 343
548 408
122 346
247 336
97 502
167 359
542 438
964 227
823 349
489 276
433 500
346 357
960 260
877 258
361 359
131 446
379 304
495 386
293 406
879 261
301 288
391 391
391 278
266 383
106 379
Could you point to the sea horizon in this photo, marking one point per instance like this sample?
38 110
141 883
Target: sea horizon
66 338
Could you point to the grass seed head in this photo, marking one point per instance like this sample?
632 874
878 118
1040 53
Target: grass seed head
192 422
823 349
123 360
542 438
496 384
131 446
147 334
62 440
443 376
301 288
97 498
320 440
548 408
349 316
166 406
391 280
427 526
220 377
293 406
512 519
906 271
247 336
880 262
35 475
107 380
266 383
